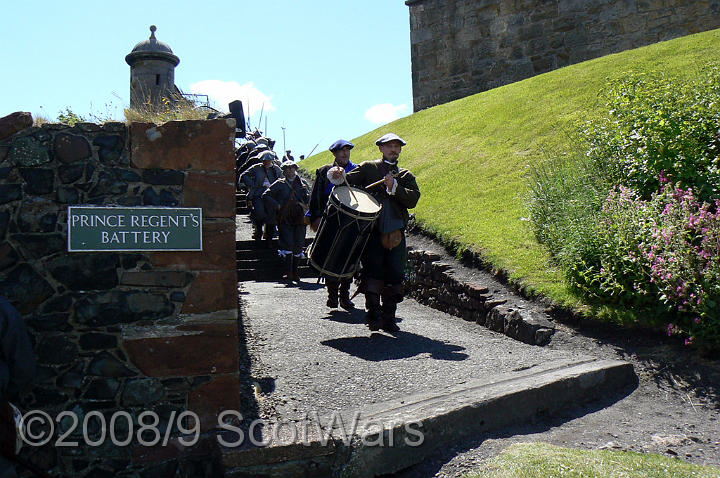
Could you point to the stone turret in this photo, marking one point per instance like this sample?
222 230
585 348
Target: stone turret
152 73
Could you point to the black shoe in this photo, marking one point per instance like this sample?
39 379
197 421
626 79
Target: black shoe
332 303
373 324
389 325
346 304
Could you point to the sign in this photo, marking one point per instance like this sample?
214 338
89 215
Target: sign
92 228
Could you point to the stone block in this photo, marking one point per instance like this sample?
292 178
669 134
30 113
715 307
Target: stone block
182 350
214 193
14 122
174 279
212 291
57 350
27 151
211 398
102 389
37 246
96 271
8 256
69 148
218 250
142 391
104 364
121 307
69 173
110 147
97 341
38 215
25 288
184 145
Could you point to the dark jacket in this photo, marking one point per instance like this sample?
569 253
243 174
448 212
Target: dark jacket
406 194
281 191
254 178
17 359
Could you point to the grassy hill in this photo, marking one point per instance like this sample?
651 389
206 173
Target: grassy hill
471 156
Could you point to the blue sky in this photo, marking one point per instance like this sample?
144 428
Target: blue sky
324 70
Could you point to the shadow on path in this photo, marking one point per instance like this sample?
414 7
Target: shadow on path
379 347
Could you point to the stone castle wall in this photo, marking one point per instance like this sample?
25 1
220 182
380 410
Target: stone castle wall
128 331
462 47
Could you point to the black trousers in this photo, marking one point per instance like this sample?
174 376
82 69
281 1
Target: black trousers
383 264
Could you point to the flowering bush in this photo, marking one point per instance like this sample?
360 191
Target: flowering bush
659 257
635 224
683 258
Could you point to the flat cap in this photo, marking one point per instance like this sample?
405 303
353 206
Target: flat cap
341 143
268 156
288 164
386 138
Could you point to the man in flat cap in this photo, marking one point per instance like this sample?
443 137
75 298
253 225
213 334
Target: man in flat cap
288 196
385 255
338 289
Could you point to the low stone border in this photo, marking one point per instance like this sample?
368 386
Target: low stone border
433 282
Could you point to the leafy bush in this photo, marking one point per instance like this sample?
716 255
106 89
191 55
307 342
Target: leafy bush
635 224
660 127
69 117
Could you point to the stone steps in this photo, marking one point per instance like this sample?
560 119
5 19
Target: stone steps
258 262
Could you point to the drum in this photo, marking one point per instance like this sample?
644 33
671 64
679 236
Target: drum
343 232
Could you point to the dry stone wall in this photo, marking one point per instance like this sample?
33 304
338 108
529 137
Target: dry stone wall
462 47
122 331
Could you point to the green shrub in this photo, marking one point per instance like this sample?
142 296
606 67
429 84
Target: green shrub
635 224
661 127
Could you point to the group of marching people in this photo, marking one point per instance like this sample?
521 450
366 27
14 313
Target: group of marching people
279 196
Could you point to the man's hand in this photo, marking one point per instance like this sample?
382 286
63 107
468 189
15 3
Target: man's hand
336 175
389 181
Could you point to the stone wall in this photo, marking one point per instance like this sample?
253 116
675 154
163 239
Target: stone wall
462 47
130 331
439 285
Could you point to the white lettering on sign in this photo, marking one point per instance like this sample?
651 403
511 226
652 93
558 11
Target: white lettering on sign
139 237
164 221
92 220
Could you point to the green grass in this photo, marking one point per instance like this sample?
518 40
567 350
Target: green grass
471 156
540 460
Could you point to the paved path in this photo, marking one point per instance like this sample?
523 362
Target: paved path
306 358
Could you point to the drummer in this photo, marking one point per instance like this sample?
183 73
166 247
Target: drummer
385 256
325 177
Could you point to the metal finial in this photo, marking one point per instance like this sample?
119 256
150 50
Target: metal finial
153 28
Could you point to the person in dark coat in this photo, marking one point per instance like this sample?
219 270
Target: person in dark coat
338 289
17 363
288 197
257 179
385 255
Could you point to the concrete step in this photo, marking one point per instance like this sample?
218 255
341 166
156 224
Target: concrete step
419 424
272 274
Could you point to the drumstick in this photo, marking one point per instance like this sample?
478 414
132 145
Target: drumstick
351 191
377 183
